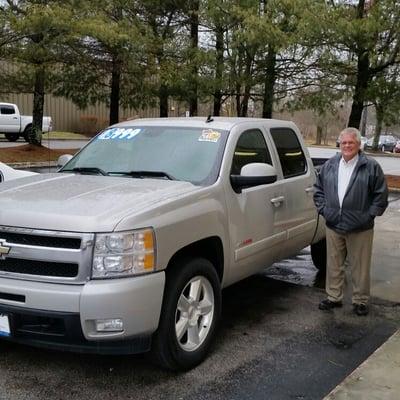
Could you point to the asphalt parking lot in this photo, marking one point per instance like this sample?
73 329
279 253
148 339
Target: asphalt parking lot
273 344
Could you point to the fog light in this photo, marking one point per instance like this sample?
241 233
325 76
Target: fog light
109 325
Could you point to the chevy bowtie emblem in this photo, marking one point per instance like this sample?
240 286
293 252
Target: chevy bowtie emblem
4 250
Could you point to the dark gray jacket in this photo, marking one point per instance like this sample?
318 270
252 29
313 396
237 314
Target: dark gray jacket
365 197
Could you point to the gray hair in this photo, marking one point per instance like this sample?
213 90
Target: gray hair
351 131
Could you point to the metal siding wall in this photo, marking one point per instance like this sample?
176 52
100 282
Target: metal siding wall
68 117
65 114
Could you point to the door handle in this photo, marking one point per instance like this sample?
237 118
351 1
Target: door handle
277 201
309 189
15 117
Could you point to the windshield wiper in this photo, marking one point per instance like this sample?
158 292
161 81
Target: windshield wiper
145 174
86 170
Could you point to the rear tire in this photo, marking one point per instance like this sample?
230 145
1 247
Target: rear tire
318 255
11 137
189 316
27 132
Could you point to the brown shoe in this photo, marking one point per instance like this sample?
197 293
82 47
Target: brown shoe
328 305
360 309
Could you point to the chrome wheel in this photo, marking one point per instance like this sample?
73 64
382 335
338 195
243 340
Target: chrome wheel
194 313
189 316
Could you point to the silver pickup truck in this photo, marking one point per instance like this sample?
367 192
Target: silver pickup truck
127 247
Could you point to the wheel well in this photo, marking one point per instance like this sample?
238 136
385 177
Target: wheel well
210 248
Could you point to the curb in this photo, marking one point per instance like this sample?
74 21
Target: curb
375 378
28 164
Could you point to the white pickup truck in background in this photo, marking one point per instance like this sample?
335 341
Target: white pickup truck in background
13 124
127 248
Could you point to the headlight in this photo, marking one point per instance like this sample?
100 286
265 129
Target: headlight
122 254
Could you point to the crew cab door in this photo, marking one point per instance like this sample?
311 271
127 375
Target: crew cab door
9 119
256 215
299 176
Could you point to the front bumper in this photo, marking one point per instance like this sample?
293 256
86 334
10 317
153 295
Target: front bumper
63 316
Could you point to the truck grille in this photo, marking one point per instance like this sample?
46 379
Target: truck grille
37 240
20 266
51 256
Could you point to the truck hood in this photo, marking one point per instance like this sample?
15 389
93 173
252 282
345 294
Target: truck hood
82 203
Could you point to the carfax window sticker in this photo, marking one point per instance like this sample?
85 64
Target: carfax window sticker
119 133
208 135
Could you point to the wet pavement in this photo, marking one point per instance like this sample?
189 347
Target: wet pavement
298 270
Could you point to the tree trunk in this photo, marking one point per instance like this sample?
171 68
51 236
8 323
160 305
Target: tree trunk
35 134
378 126
163 90
364 118
362 78
238 80
244 108
115 90
237 96
269 83
163 96
360 90
318 139
219 47
194 39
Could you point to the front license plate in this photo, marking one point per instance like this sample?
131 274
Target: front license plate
4 325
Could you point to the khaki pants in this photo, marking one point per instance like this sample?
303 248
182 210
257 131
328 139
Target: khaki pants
356 248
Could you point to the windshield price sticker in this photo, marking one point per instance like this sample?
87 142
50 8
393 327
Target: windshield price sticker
208 135
4 325
119 133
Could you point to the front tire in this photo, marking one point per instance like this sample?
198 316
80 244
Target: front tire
189 316
11 137
318 255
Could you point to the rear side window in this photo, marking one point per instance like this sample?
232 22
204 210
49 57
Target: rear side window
250 148
290 153
7 110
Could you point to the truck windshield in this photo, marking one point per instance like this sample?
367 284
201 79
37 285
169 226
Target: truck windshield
181 153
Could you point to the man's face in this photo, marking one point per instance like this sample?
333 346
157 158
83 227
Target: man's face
349 146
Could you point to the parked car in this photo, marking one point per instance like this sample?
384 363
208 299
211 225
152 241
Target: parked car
363 141
128 246
13 124
396 148
7 173
386 143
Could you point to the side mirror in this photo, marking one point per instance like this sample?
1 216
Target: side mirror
253 174
62 160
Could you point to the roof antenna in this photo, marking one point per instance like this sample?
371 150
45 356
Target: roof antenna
210 118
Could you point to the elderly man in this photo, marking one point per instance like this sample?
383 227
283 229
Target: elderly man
350 192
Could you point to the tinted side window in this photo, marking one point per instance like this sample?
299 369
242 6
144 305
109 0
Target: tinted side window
7 110
290 153
250 148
